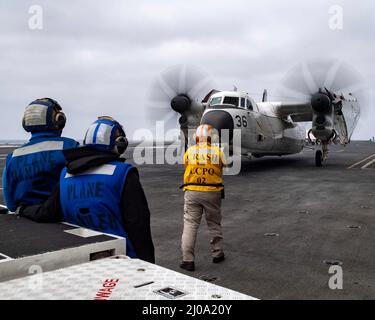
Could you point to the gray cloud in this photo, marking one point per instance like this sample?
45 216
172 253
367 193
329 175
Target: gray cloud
99 57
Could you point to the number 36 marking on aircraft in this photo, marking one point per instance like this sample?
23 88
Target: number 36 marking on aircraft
241 122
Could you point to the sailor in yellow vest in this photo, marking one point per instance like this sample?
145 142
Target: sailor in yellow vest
204 189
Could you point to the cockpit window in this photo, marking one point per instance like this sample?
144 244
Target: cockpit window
231 100
216 100
249 105
243 103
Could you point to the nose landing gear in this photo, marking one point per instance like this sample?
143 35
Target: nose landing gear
321 155
318 158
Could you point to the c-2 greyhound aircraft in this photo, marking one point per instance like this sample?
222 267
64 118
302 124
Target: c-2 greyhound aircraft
267 128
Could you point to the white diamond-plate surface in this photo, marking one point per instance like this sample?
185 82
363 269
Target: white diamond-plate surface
85 281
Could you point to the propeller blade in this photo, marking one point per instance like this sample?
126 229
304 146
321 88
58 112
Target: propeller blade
180 80
307 78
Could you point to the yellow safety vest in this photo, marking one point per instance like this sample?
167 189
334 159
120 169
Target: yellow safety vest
204 168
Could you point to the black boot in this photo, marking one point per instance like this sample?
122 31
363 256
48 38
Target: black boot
218 259
187 265
3 210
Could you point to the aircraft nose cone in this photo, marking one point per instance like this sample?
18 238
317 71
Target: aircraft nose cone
220 120
180 103
321 103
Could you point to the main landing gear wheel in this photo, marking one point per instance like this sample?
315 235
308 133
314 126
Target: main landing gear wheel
318 158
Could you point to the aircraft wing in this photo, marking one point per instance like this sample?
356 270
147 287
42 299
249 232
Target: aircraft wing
298 111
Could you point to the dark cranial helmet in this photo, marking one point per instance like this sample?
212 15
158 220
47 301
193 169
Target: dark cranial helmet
106 134
43 115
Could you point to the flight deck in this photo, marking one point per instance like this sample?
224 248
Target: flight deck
285 223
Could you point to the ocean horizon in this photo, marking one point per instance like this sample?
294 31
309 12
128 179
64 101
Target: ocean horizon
12 142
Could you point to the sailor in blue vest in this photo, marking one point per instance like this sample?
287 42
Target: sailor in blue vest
32 171
102 192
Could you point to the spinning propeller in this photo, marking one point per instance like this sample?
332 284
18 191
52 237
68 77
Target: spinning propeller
305 79
175 96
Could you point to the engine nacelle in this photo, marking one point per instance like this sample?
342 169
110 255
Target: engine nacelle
323 116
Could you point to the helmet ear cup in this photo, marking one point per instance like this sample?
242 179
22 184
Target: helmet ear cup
23 124
121 144
60 120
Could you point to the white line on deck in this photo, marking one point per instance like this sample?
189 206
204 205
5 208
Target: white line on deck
359 162
368 164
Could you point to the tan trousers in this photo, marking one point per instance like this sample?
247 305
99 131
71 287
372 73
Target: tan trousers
197 202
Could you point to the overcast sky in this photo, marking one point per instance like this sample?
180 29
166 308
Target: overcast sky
99 57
